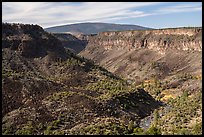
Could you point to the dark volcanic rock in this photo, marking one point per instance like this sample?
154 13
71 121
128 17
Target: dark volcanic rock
31 41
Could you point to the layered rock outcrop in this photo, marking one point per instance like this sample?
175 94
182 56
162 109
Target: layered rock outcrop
158 40
133 54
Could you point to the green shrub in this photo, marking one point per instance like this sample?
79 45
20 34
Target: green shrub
7 131
26 130
183 131
156 116
131 126
55 123
58 132
153 130
48 131
197 129
138 131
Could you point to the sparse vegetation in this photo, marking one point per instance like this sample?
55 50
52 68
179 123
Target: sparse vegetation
26 130
185 108
153 131
50 90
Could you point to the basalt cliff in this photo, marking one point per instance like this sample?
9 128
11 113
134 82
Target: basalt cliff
131 53
157 40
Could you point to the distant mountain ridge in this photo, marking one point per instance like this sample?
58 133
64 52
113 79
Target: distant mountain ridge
93 28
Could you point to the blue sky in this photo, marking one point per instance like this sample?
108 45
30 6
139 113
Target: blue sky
148 14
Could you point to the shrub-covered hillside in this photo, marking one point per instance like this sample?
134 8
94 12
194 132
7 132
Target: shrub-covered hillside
47 89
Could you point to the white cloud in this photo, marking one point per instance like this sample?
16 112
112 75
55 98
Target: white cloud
59 13
50 14
180 8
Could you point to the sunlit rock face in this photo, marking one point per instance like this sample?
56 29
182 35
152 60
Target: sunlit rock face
158 40
132 53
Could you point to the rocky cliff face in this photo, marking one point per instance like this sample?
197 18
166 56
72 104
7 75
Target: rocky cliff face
144 54
157 40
